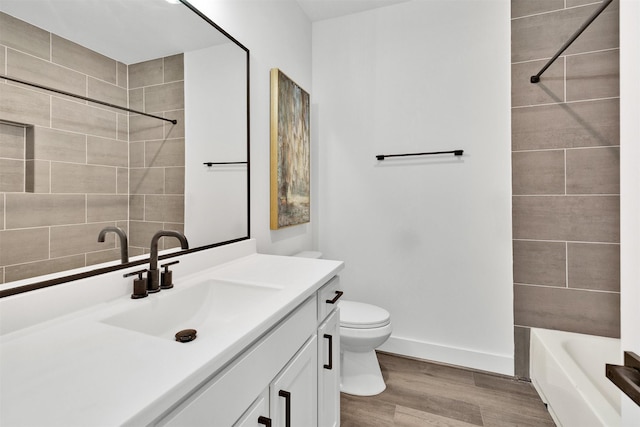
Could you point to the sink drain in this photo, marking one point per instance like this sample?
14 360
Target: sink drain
186 335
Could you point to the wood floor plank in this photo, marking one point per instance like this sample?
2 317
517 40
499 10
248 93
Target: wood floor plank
407 417
421 393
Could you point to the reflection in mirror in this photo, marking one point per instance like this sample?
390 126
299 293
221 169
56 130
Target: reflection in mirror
70 167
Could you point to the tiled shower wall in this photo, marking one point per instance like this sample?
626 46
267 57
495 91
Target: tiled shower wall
565 166
156 150
64 170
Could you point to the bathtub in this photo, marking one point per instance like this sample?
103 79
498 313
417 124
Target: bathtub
568 371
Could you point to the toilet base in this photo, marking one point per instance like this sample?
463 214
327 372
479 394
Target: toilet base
361 375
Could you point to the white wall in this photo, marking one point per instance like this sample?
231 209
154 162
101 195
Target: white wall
630 188
278 35
429 239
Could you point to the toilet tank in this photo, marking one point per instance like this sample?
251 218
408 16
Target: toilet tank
309 254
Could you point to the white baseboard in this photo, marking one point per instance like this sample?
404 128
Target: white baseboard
450 355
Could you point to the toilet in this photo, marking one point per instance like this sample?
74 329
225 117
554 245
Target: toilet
363 328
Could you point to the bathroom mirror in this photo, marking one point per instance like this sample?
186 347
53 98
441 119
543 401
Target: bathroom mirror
69 166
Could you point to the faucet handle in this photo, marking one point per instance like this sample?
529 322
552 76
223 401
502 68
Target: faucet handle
166 277
139 284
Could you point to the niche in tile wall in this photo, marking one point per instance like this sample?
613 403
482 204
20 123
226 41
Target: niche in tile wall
16 158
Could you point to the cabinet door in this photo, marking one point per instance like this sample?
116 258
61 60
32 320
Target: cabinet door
258 414
294 392
329 372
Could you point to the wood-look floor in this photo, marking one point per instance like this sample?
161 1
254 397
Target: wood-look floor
428 394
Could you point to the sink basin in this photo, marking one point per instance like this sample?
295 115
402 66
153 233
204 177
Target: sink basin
207 307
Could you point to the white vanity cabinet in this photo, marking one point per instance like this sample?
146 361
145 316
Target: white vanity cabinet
329 354
290 377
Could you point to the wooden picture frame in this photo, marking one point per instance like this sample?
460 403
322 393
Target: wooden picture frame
290 152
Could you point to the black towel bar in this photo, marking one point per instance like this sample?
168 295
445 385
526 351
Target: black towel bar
454 152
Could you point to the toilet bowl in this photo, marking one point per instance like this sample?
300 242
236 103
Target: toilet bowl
363 328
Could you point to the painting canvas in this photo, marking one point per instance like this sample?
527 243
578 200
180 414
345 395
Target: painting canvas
290 148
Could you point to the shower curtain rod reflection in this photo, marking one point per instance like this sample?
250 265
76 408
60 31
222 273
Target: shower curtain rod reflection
84 98
605 3
454 152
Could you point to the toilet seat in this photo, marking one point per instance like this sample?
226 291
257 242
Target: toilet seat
358 315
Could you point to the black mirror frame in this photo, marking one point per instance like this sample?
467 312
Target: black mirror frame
78 276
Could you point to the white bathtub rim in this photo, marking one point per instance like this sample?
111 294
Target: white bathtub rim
598 405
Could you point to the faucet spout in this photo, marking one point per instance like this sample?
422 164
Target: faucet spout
153 284
124 245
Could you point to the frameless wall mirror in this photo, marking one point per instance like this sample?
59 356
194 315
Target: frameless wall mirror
116 113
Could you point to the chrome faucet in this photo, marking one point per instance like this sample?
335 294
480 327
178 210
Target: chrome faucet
153 282
124 246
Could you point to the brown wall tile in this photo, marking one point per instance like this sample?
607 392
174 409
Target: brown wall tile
538 172
588 312
12 141
25 37
35 210
522 336
102 256
77 117
541 36
539 263
74 56
136 207
174 68
122 75
594 266
521 8
12 173
171 130
140 233
40 268
145 128
25 245
123 127
593 75
162 208
578 124
123 180
21 105
106 151
146 73
37 179
549 90
69 240
593 171
136 154
107 208
146 181
107 92
174 180
43 72
574 218
52 144
74 178
136 99
168 152
1 212
168 96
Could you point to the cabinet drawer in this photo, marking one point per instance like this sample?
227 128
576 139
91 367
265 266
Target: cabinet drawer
328 297
222 400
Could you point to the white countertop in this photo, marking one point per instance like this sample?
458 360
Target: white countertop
78 370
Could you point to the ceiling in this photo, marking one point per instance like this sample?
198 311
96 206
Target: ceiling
318 10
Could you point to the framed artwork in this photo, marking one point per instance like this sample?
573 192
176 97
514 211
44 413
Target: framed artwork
290 152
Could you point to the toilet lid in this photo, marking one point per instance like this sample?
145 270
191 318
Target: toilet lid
360 315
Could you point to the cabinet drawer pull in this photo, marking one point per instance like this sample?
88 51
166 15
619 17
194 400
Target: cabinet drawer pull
330 365
336 298
287 407
264 421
